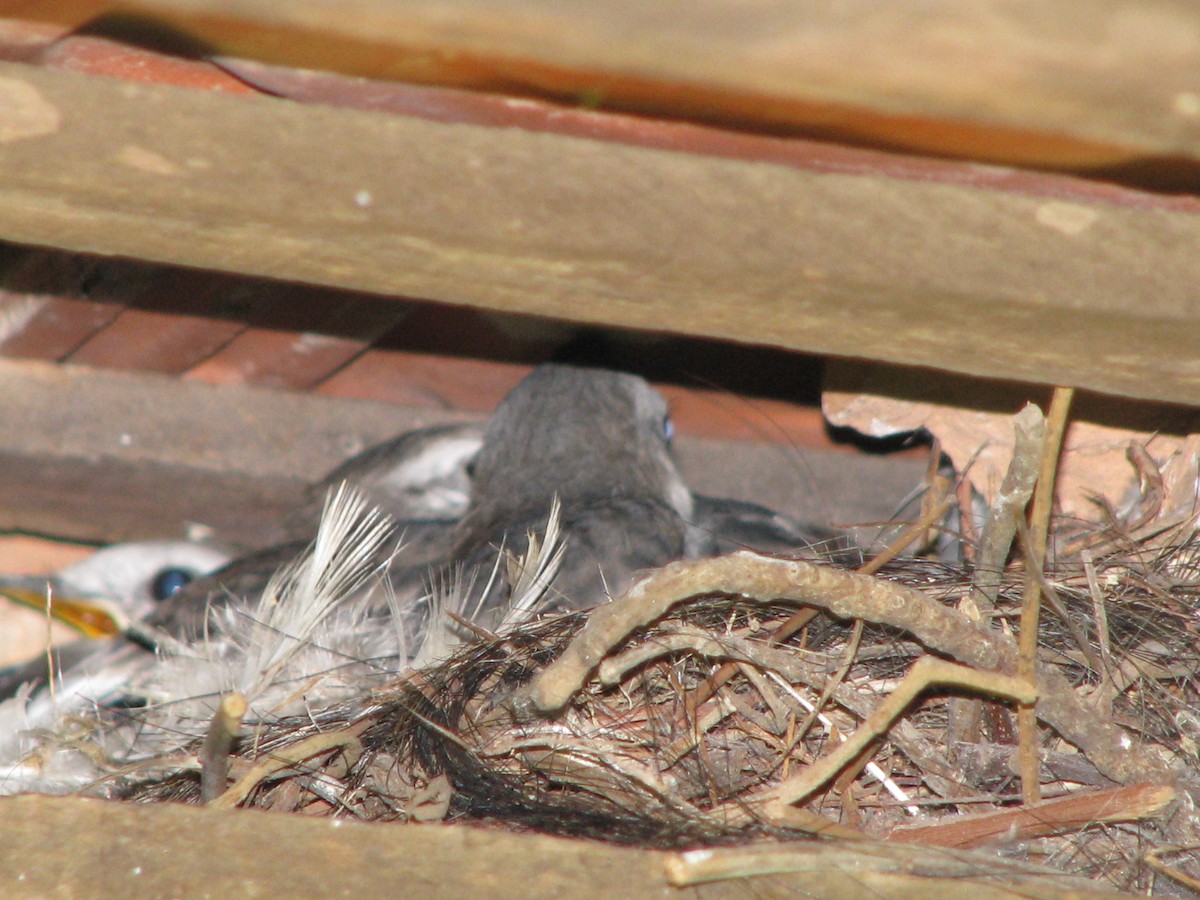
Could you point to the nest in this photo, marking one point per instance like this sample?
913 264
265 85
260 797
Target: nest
747 696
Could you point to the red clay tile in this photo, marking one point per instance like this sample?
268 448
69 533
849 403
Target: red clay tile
101 56
155 341
45 303
422 379
299 336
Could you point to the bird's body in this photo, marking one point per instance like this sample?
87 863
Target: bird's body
598 442
293 625
420 476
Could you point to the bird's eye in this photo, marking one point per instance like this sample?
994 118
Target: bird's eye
668 428
168 581
127 701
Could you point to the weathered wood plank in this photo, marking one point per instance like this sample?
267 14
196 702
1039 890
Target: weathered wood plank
97 455
102 455
90 848
1073 82
984 272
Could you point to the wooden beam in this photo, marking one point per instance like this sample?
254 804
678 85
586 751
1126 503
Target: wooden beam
1075 82
100 455
92 848
986 272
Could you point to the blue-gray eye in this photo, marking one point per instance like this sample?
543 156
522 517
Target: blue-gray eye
168 581
668 428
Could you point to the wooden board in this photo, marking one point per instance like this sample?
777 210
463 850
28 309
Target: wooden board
1078 82
90 848
986 272
101 455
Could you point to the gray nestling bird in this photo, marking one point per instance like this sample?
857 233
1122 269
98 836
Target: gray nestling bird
598 442
595 445
604 439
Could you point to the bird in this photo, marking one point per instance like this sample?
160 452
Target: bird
123 581
148 691
592 424
420 475
102 595
597 443
552 506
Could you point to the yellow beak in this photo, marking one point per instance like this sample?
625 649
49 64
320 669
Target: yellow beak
91 618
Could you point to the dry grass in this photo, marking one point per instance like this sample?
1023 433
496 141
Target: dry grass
614 727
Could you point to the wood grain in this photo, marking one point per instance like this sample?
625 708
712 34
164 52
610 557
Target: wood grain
1069 83
90 848
986 272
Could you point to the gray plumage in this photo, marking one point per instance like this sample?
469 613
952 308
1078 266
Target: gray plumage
418 476
598 442
592 446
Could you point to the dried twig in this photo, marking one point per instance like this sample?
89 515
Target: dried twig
1069 813
1151 488
802 617
925 673
1007 510
846 595
1106 689
1039 529
285 758
1154 859
794 667
214 753
878 868
1008 507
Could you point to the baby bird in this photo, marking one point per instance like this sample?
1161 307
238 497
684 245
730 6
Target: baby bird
553 506
104 594
599 443
118 702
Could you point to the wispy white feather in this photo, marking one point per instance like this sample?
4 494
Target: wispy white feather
317 623
453 597
529 577
327 626
301 596
532 574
